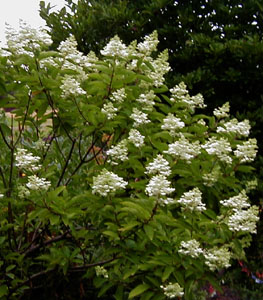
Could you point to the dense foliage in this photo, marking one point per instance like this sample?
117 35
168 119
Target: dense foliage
109 181
215 47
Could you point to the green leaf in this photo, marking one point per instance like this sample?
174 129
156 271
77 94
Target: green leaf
149 231
105 288
3 290
112 234
129 226
167 272
138 290
131 271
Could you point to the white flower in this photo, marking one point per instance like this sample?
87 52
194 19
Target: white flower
109 110
139 117
244 220
149 44
196 101
183 149
247 151
217 258
159 186
23 192
167 201
159 166
26 160
201 122
118 152
172 124
233 126
179 92
118 96
70 86
219 148
191 248
223 111
107 182
192 200
161 67
115 47
1 195
27 39
136 138
36 183
101 271
147 100
172 290
237 202
73 59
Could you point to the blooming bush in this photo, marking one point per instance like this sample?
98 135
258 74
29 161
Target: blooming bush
109 176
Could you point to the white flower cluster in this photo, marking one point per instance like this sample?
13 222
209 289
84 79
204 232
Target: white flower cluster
136 138
107 182
147 100
217 258
192 200
233 126
116 48
27 39
243 217
149 44
139 117
191 248
180 94
159 166
237 202
23 192
172 290
71 87
36 183
109 110
223 111
247 151
161 67
159 186
172 124
118 152
101 271
244 220
183 149
219 148
25 160
118 96
74 59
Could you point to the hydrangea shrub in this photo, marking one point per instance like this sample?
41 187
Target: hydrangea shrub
108 174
